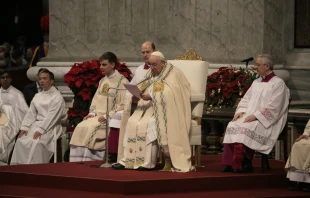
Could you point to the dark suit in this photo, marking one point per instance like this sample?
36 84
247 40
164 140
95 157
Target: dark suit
29 91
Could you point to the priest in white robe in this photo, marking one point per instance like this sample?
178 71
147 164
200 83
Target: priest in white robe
42 124
162 117
259 119
9 128
146 49
298 164
88 139
12 96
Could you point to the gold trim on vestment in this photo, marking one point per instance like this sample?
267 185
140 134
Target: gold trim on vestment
158 87
105 88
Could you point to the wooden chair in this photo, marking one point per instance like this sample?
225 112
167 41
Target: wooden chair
282 137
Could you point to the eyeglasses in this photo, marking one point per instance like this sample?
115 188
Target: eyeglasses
5 77
258 65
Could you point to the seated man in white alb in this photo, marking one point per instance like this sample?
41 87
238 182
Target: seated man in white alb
146 49
12 96
9 128
88 139
298 163
162 117
42 124
259 119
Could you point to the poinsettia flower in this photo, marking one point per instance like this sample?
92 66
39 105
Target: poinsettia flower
78 83
85 94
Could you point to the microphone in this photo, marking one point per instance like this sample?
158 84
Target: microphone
247 60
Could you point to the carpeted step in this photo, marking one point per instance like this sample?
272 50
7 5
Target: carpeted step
34 192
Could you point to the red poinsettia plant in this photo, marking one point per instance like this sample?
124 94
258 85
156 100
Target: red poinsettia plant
83 79
227 86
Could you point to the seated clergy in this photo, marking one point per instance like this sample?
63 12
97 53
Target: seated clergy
299 161
259 118
88 139
42 124
12 96
146 49
162 117
9 128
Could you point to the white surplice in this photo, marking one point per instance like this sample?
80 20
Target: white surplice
298 164
9 128
46 112
268 102
15 98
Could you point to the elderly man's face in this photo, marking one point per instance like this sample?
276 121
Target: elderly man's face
156 65
261 68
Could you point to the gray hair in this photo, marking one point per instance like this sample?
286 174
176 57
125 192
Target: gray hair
267 60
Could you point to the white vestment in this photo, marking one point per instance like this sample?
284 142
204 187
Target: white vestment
46 112
164 119
15 99
298 164
140 72
268 102
9 127
88 139
151 147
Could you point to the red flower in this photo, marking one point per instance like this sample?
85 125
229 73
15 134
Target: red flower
78 83
226 85
85 94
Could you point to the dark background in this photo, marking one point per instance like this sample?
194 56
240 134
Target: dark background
29 14
302 23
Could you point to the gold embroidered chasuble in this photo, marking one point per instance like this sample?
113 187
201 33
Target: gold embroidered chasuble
90 133
170 106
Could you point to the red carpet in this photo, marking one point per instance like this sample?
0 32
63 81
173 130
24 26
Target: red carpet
80 180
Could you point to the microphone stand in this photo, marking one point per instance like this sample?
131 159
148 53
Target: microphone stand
246 65
106 163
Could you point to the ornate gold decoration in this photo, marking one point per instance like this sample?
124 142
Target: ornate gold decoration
143 86
189 55
158 87
105 88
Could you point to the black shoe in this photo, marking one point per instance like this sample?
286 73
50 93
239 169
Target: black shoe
118 166
141 168
297 186
112 158
227 169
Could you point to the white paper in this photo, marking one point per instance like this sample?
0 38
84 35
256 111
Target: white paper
133 89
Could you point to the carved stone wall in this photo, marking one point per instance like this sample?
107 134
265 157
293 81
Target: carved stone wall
221 31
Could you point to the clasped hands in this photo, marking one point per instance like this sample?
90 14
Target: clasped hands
36 135
250 118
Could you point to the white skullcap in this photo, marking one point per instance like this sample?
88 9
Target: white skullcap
159 54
